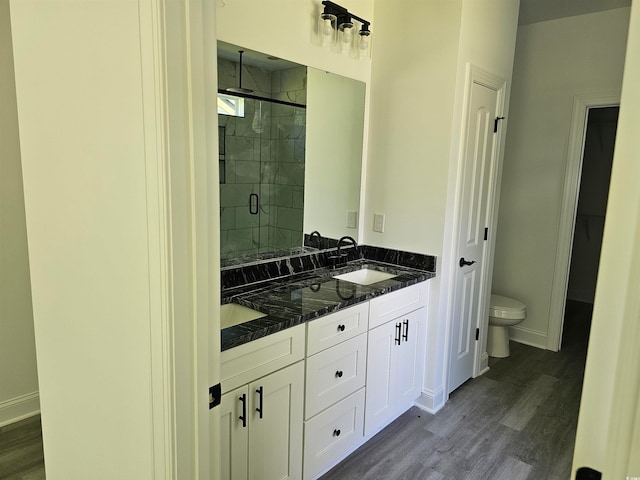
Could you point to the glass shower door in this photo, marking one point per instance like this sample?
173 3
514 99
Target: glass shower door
261 180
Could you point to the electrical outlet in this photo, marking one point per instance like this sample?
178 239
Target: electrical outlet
378 222
352 219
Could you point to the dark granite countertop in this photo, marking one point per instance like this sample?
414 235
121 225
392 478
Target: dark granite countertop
295 299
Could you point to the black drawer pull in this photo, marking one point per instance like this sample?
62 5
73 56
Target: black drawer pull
341 328
405 335
336 432
339 374
243 417
398 333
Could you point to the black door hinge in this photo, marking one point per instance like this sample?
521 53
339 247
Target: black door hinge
586 473
495 123
486 233
477 333
215 396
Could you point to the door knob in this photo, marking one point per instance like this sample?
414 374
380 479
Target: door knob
464 262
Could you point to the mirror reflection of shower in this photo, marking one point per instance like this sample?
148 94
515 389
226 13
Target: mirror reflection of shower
261 158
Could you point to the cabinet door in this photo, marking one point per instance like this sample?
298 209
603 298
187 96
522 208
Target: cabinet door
382 362
234 435
410 367
275 440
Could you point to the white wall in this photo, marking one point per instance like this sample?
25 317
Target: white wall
610 405
555 60
413 84
417 93
412 95
18 374
87 225
286 29
116 255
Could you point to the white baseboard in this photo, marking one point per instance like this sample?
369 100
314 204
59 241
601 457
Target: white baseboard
484 364
431 400
19 408
527 336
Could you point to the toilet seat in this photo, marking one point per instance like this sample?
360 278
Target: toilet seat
505 307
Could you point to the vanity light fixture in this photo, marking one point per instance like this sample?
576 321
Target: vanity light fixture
336 30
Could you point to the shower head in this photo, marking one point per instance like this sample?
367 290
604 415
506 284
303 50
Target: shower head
239 88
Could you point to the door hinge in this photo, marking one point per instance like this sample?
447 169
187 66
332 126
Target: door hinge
215 396
495 123
586 473
486 233
477 333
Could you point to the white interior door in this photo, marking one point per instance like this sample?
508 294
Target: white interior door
478 157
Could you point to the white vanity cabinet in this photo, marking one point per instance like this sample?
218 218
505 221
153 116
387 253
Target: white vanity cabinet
395 362
262 419
297 402
335 393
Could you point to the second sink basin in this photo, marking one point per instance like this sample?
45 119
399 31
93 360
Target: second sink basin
365 276
233 314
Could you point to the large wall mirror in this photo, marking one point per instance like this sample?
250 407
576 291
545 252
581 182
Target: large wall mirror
290 154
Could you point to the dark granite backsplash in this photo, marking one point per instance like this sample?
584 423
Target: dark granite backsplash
249 274
399 257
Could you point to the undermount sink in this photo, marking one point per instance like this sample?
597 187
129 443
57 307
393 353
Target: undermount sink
233 314
365 276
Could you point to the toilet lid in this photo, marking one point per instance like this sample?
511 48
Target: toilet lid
505 307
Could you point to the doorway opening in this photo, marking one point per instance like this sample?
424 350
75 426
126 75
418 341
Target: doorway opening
588 226
570 226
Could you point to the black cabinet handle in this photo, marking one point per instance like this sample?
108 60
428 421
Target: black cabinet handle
260 395
243 417
339 374
254 204
398 333
341 328
336 432
405 335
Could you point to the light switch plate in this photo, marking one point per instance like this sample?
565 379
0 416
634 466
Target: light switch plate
378 222
352 219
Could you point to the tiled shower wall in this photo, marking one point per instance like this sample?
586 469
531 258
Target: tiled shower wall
264 155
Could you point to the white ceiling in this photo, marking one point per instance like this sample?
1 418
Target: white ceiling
532 11
253 58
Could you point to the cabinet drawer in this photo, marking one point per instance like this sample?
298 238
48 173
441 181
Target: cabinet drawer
395 304
245 363
337 327
333 433
335 373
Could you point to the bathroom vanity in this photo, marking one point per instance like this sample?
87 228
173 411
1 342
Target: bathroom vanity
327 365
319 350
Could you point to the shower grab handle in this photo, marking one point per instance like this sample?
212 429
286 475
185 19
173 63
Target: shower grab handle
253 203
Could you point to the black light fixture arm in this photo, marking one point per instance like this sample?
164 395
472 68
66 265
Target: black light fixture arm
343 14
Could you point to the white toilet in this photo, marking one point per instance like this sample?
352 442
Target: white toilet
504 312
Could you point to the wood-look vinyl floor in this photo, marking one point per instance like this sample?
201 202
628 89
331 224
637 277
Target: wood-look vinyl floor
516 422
21 455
